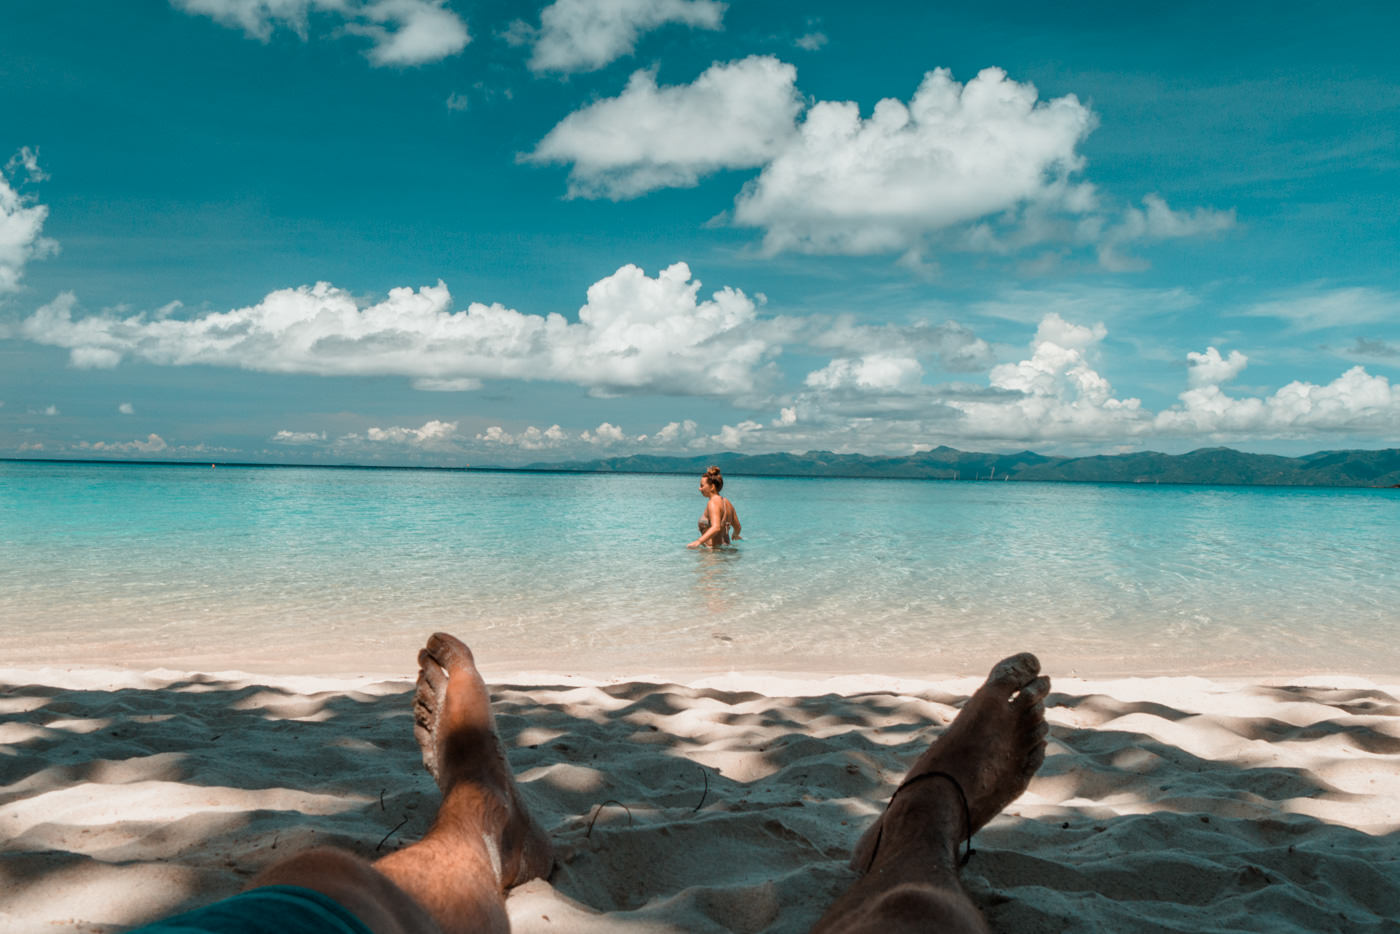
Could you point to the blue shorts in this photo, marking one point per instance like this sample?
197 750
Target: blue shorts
271 909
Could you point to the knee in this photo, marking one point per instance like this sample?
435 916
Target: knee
917 907
302 868
354 884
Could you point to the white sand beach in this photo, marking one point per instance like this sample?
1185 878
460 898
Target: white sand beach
727 804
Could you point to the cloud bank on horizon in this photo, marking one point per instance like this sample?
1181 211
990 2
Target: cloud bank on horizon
896 273
638 334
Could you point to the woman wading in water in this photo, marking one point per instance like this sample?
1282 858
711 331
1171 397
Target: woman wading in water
719 516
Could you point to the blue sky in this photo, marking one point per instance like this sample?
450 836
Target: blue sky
409 231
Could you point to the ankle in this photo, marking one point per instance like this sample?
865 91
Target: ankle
925 822
472 809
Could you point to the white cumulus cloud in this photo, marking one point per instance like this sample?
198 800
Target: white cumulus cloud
1055 393
585 35
126 408
985 166
151 444
953 154
1156 220
673 436
735 437
403 32
877 372
556 439
1058 361
21 221
433 432
1354 402
1211 369
606 433
673 432
297 437
461 384
531 439
636 333
735 115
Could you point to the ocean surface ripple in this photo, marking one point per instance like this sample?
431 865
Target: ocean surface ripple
347 569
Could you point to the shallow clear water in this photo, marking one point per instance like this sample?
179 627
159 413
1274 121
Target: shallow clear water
340 570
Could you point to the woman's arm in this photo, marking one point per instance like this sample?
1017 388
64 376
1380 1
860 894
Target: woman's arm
734 519
716 517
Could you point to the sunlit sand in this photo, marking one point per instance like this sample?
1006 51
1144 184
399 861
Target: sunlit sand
729 804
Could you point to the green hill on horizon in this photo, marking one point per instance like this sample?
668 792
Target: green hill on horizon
1216 465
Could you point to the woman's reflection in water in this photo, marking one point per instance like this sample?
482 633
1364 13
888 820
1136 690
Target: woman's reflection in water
714 578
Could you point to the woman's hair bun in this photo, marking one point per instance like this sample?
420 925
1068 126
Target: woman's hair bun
712 474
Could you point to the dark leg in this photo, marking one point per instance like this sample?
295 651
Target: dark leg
909 857
483 840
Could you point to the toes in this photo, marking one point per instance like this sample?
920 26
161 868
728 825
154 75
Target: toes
431 680
1034 730
431 672
424 708
1035 760
448 650
424 736
1014 673
1034 693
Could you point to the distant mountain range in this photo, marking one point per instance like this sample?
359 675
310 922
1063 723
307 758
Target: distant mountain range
1207 466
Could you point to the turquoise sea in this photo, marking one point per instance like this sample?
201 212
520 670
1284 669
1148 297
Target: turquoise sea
347 570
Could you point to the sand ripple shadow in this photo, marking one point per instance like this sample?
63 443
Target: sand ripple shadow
685 809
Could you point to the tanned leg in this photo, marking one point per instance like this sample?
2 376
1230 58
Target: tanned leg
909 857
482 842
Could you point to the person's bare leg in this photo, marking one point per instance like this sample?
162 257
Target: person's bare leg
483 840
909 857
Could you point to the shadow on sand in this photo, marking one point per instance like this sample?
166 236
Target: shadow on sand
730 810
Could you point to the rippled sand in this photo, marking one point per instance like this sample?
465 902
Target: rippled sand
728 804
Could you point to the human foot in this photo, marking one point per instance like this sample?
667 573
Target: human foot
461 750
990 751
